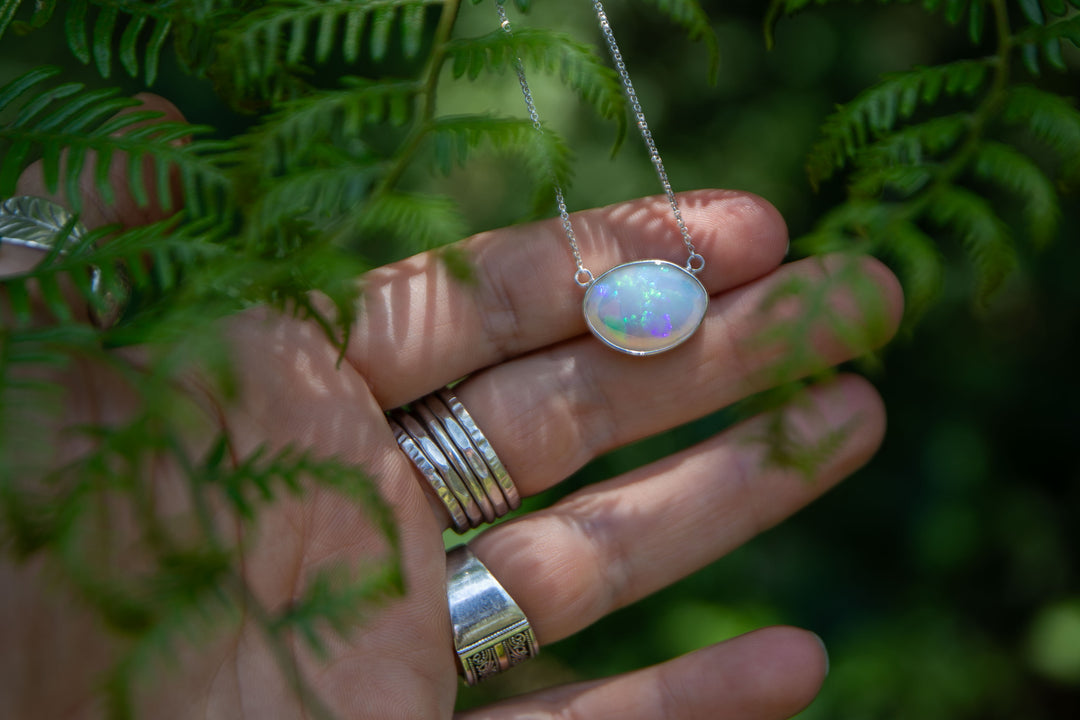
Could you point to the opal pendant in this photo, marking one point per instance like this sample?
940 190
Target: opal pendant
645 307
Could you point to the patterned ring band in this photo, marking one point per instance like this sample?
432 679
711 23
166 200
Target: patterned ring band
491 633
443 441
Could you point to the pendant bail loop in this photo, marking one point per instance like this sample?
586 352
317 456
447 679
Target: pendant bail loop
583 277
695 263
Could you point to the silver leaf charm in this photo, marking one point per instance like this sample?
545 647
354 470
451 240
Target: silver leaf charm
36 223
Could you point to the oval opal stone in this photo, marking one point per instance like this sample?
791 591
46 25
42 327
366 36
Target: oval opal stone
645 307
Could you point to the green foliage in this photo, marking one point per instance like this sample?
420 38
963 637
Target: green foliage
951 152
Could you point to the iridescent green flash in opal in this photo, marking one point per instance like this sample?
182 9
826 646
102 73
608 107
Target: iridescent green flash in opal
645 307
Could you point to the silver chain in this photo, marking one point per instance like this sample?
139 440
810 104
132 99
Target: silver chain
583 276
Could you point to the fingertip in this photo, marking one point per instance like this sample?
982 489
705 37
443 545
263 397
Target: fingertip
791 665
892 291
742 235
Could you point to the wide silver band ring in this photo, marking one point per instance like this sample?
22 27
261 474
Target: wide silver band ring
455 458
491 633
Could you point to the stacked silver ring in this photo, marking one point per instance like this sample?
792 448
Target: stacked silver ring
444 443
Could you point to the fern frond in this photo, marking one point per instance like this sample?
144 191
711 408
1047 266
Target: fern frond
918 263
1018 175
93 27
1051 119
916 143
1034 12
315 196
7 12
1046 40
689 15
876 111
952 10
985 237
65 124
340 598
285 137
545 154
901 181
576 64
416 222
279 34
858 222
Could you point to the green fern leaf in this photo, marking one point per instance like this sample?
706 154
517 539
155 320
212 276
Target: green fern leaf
876 111
915 144
65 118
1032 10
103 27
545 155
1048 39
918 263
1012 170
1050 118
985 237
340 598
317 197
954 11
576 63
858 221
260 42
285 138
75 25
689 15
7 12
899 180
416 222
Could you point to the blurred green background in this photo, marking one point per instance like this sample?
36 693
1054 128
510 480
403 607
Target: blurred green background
942 577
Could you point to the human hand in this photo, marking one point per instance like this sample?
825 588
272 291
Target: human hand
549 398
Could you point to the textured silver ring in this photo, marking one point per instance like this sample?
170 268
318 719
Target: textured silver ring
491 633
443 441
435 456
449 448
498 470
472 456
409 446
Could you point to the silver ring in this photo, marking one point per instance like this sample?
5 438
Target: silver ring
457 514
446 471
491 633
475 460
443 441
433 426
498 470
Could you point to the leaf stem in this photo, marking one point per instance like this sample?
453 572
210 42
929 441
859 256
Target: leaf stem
425 99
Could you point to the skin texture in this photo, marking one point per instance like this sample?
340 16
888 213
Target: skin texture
549 398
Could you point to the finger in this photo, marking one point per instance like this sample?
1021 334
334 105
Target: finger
770 674
419 328
95 211
578 400
612 543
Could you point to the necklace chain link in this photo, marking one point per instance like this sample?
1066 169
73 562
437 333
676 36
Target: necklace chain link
583 276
